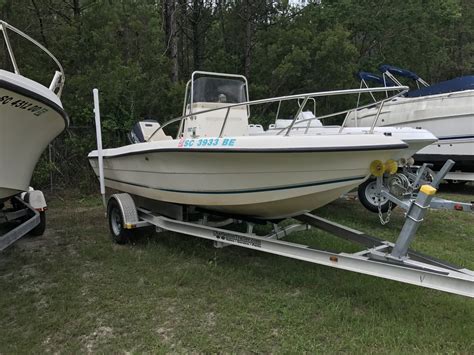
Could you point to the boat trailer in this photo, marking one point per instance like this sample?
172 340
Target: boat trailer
385 191
27 215
393 261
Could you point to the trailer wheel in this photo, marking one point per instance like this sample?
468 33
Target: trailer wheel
41 227
116 223
369 199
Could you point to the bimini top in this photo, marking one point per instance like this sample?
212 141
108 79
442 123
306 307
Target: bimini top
458 84
398 71
363 75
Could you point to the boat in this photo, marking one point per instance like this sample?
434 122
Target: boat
446 109
213 163
308 124
217 177
31 116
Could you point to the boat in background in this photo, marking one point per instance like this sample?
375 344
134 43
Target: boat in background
446 109
31 116
307 123
214 163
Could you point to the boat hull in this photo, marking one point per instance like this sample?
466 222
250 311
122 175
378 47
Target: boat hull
448 116
273 182
29 121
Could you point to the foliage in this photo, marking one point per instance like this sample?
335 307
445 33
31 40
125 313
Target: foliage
123 48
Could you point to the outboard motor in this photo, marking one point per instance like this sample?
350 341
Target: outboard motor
142 131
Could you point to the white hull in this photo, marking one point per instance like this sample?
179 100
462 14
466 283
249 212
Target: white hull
448 116
31 116
266 177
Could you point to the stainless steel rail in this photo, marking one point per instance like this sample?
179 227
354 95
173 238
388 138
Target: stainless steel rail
400 90
58 78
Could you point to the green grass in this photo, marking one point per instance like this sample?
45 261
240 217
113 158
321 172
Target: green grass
73 290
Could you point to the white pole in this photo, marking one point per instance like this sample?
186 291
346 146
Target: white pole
98 132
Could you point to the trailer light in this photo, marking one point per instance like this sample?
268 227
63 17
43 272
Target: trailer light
458 207
428 190
333 258
377 168
130 226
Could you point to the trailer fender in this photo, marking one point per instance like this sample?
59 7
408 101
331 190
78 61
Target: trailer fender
127 209
35 199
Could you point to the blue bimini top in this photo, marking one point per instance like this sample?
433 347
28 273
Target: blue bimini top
363 75
458 84
398 71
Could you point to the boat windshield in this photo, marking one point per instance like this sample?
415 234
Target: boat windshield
222 90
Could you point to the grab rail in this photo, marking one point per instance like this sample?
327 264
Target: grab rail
401 90
58 78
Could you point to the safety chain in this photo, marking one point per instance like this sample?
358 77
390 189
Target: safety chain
389 213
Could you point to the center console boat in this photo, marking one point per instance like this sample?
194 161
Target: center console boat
214 161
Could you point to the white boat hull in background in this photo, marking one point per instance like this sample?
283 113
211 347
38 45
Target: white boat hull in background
416 139
448 116
263 177
31 116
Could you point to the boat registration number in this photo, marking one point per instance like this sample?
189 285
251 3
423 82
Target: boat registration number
23 105
207 142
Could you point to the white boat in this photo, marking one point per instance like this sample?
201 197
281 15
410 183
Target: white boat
446 109
308 124
214 163
31 116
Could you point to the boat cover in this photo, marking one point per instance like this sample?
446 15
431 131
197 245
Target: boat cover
453 85
458 84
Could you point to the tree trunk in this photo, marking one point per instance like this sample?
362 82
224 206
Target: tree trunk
248 38
183 48
171 33
40 20
76 7
196 12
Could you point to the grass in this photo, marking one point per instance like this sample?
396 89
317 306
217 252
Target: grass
73 290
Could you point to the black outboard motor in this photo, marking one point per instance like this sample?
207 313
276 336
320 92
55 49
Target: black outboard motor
142 131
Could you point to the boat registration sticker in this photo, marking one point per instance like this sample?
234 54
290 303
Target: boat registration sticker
23 105
207 142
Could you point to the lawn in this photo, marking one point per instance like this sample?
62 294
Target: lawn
73 290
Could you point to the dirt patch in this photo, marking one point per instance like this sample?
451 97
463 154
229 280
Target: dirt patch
99 336
210 320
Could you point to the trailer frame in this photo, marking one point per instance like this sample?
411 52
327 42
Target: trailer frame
27 216
393 261
380 258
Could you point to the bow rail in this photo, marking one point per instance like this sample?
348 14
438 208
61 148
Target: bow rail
57 83
399 90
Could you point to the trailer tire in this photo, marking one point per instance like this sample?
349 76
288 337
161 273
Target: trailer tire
366 193
41 227
120 235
